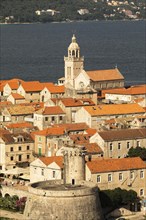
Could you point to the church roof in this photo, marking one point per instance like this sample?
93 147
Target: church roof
104 75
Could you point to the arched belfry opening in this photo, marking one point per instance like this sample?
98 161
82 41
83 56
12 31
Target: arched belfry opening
74 63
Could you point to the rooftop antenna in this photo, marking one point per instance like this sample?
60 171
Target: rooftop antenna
116 66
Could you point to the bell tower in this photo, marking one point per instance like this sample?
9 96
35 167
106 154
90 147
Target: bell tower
74 63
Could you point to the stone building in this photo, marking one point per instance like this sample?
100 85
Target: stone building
46 168
48 116
126 173
15 149
93 115
116 143
49 140
71 199
78 81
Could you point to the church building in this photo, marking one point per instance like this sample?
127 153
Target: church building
80 81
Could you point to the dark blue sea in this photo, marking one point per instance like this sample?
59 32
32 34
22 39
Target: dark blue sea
36 51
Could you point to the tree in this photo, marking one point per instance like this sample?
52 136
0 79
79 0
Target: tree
137 152
117 197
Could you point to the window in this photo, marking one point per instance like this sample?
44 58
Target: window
128 145
11 148
141 192
111 146
40 138
109 177
132 175
19 148
28 156
60 118
42 172
141 174
119 146
46 118
20 157
53 174
98 178
12 158
120 176
28 148
53 118
138 143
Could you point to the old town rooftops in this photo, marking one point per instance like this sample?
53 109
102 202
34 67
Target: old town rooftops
120 164
51 110
114 109
48 160
122 134
104 75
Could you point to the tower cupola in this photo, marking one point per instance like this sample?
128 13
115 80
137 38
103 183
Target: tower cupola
74 49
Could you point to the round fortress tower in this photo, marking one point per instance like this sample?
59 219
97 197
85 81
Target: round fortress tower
69 199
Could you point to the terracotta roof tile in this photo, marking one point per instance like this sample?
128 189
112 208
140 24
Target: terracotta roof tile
11 138
48 160
5 103
51 110
73 127
52 131
93 148
19 110
54 89
109 165
70 102
79 138
91 131
35 86
114 109
104 75
20 125
123 134
129 91
17 96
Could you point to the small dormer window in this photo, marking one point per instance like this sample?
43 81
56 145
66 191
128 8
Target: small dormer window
19 139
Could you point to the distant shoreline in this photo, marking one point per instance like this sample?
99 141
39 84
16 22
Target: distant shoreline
18 23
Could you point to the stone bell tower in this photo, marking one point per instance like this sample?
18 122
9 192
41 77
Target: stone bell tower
74 164
74 63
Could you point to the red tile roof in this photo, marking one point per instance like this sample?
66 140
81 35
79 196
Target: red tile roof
91 131
73 127
17 96
52 131
129 91
123 134
114 109
35 86
104 75
54 89
48 160
70 102
51 110
93 148
20 125
110 165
